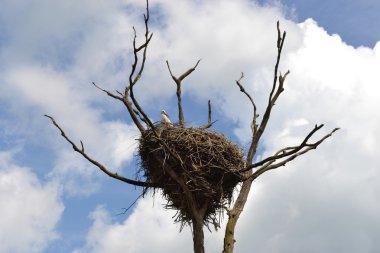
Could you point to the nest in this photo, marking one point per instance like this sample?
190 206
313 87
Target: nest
208 164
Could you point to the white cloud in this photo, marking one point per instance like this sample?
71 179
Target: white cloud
74 175
78 177
145 224
325 202
50 63
149 222
47 91
30 210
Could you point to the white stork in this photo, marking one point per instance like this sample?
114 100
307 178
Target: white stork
165 117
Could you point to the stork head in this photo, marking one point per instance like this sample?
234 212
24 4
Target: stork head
165 117
164 113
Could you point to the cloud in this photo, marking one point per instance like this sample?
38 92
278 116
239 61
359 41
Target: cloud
30 210
149 222
145 224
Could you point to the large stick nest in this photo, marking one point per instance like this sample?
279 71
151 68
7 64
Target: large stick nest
209 167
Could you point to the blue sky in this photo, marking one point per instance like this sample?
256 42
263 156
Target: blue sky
50 52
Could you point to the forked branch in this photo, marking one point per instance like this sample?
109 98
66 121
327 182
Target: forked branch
277 89
271 163
178 82
288 151
125 99
133 77
96 163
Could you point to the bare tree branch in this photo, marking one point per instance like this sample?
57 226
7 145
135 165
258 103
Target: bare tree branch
128 92
280 44
134 79
273 96
108 92
255 115
271 165
128 104
178 81
96 163
284 152
131 205
209 120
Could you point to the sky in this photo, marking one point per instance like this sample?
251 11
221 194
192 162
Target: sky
52 200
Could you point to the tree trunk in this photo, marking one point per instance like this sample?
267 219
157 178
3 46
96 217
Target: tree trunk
198 235
233 216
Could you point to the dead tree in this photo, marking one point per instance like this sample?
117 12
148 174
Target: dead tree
194 185
279 159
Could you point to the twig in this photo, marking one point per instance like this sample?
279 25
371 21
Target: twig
130 206
209 119
209 112
255 115
208 125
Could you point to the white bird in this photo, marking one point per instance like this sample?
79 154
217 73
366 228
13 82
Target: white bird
165 117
